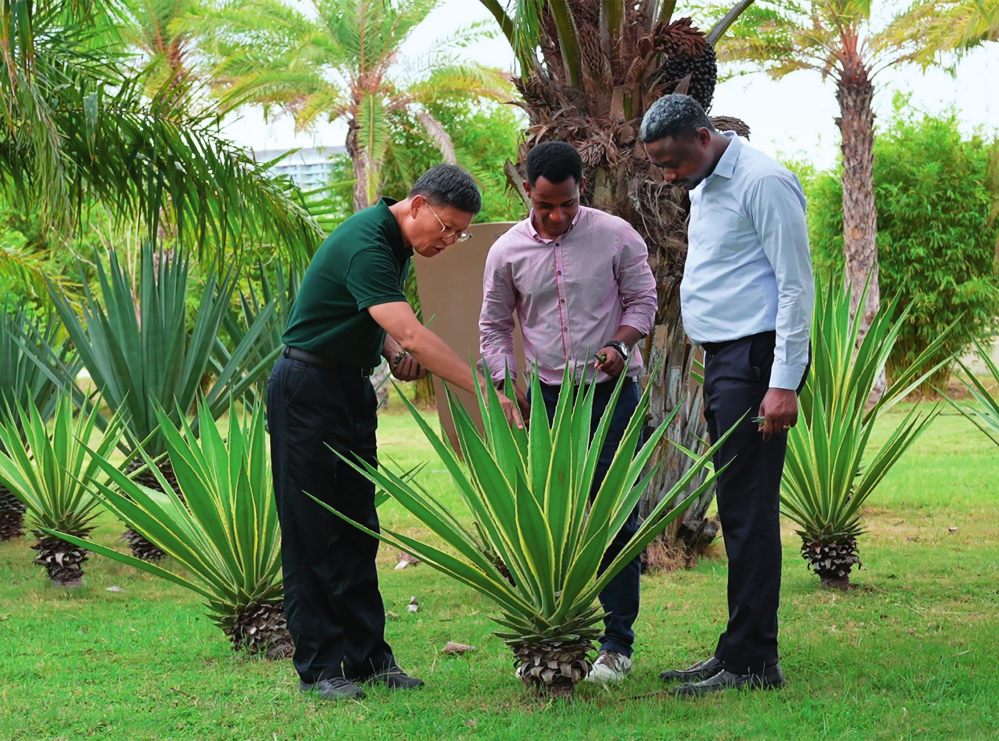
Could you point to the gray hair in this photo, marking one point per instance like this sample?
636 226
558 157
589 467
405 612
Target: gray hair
676 116
449 185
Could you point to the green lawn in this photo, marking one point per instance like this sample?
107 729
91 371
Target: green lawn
911 654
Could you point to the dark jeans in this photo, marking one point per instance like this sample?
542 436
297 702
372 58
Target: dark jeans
335 613
620 598
735 381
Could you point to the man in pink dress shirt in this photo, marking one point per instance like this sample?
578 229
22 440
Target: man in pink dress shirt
579 283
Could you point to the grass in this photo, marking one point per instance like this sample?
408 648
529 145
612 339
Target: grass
910 654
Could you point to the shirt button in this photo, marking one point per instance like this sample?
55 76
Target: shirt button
565 329
562 301
558 272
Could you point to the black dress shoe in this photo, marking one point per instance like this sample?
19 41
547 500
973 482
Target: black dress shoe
697 673
336 688
396 679
770 679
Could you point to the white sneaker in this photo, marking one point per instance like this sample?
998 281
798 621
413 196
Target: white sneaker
610 666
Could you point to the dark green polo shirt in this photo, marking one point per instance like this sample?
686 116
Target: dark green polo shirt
362 263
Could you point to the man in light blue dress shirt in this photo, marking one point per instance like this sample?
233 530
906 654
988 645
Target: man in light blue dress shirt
746 297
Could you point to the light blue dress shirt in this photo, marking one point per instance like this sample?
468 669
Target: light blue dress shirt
748 266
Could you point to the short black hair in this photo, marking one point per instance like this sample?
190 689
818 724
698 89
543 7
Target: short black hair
555 162
449 185
676 116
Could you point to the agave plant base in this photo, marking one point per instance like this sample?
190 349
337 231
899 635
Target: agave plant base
63 561
263 629
832 562
553 668
12 512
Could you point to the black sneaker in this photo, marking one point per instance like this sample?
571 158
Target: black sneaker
396 679
336 688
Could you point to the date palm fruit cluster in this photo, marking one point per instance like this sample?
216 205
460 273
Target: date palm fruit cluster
687 52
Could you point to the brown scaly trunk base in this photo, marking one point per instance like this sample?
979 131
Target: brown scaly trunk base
262 629
12 512
63 561
832 562
553 668
690 545
140 546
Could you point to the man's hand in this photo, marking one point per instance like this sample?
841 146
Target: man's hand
405 368
779 410
510 410
612 363
523 403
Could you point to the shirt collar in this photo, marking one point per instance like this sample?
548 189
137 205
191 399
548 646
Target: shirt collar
394 232
534 232
726 165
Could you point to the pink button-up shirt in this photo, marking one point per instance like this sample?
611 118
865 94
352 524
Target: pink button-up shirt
570 294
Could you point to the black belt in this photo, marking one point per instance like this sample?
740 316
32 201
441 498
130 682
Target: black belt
603 387
306 357
713 348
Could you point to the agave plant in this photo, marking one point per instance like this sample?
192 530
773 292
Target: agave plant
829 472
528 494
985 414
243 320
223 535
145 357
24 381
49 473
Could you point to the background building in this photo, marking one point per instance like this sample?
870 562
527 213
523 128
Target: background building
309 168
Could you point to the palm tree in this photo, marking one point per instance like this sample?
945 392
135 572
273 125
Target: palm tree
958 26
157 29
77 129
340 61
589 70
838 39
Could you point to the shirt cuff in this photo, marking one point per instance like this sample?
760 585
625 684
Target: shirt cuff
786 376
498 365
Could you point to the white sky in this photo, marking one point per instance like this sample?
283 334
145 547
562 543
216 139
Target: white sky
793 117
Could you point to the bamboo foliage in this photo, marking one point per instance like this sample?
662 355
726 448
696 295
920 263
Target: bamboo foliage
537 541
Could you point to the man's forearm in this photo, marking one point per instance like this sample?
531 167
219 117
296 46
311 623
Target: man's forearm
628 335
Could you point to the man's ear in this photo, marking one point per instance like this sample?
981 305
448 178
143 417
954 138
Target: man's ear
527 189
704 136
582 186
416 204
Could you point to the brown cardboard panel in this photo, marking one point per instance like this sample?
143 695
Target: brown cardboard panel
451 292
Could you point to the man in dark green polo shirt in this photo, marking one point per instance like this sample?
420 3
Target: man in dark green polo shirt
350 312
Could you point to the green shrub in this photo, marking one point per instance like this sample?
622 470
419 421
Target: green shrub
936 193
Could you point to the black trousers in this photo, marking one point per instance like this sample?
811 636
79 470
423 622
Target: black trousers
736 379
335 612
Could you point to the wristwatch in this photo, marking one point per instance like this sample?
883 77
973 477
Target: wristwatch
622 349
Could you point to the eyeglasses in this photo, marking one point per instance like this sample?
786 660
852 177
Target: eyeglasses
447 232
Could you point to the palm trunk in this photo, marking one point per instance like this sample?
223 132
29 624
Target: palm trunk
359 161
671 386
855 94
